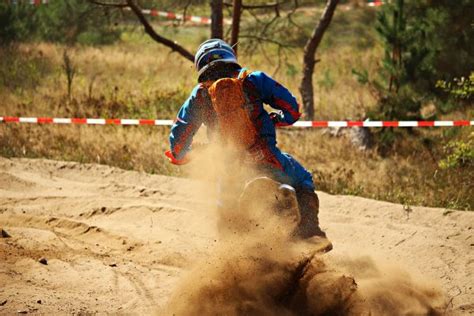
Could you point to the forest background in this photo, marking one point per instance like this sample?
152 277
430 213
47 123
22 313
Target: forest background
404 60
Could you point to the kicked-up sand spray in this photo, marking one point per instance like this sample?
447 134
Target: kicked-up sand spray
257 268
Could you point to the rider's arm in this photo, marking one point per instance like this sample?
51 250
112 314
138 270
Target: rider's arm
187 123
278 97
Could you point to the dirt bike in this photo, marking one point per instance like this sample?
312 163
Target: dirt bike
257 198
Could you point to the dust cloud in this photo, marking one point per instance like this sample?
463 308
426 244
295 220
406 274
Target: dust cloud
258 268
271 276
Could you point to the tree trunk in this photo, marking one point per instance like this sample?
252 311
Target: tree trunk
236 14
309 61
217 19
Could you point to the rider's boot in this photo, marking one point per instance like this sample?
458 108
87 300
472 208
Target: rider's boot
308 222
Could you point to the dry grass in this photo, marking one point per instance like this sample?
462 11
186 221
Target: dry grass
409 176
137 78
138 148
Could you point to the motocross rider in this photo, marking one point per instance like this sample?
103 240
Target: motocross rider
215 59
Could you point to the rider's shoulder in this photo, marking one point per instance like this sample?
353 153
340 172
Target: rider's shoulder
258 76
199 95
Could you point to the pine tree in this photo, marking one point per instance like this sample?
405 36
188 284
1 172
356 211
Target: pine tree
391 26
424 42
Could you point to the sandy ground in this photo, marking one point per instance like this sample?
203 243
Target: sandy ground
119 241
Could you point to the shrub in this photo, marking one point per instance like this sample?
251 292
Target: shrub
459 154
77 21
17 23
462 88
63 21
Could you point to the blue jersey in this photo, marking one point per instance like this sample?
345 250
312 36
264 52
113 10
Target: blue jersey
259 88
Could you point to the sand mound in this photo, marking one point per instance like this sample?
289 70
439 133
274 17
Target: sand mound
12 182
127 242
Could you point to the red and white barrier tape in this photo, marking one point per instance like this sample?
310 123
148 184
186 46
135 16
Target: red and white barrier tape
33 2
177 16
99 121
375 3
181 17
154 12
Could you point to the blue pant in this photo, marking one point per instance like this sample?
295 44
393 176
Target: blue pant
289 171
293 172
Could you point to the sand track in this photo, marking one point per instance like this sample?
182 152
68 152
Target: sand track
119 241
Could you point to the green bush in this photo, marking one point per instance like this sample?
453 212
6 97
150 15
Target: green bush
62 21
462 88
449 34
17 23
77 21
459 154
423 42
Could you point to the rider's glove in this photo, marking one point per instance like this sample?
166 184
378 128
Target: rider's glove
196 148
175 161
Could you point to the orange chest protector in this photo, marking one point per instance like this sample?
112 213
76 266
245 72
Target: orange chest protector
231 105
